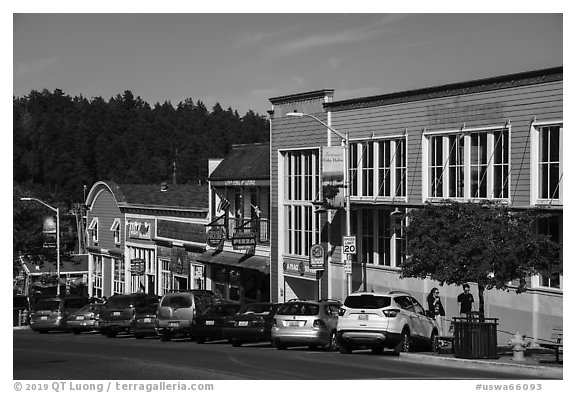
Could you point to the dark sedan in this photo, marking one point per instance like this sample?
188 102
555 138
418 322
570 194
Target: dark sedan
209 325
252 323
145 322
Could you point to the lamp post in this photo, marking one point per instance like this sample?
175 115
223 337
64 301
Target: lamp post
57 211
345 142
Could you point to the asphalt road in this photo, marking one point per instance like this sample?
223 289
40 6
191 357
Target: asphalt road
65 356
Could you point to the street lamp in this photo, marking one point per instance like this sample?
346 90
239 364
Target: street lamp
57 210
345 141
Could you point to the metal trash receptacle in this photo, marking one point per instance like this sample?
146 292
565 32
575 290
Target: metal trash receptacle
475 338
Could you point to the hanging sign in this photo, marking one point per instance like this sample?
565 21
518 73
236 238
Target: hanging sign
317 257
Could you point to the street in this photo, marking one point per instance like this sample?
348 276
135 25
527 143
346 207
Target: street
92 356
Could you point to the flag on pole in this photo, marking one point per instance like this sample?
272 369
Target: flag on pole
224 204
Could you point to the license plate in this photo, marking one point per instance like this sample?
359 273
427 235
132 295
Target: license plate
293 323
44 318
362 317
209 322
147 320
173 323
116 313
80 318
242 323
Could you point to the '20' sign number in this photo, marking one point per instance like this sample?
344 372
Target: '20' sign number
349 245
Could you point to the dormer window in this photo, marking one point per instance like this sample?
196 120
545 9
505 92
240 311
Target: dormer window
115 228
93 229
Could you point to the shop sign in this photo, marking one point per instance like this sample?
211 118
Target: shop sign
137 266
138 229
178 260
297 268
179 230
240 183
243 240
214 237
317 257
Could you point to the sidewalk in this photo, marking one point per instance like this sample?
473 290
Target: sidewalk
539 362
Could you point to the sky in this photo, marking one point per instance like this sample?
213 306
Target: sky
241 60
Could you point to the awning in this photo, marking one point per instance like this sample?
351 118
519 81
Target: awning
253 262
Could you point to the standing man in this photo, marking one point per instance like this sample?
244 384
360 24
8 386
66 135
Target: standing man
466 301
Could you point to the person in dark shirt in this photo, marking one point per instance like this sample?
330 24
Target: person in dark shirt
466 301
436 310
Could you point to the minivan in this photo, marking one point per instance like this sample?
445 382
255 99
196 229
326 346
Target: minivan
178 310
51 313
119 312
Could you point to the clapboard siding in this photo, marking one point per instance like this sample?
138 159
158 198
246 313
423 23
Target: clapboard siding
106 209
519 106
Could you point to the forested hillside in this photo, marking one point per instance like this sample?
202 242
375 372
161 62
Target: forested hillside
62 143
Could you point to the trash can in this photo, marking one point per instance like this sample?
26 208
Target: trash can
475 338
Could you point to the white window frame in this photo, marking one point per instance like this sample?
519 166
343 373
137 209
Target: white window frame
302 225
359 168
93 227
98 266
535 129
115 228
467 164
119 275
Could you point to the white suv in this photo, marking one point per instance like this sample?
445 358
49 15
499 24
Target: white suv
392 320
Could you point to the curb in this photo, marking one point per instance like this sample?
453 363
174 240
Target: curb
524 369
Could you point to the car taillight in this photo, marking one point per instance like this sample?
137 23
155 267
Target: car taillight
341 311
318 324
391 313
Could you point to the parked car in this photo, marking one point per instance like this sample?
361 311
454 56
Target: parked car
178 310
384 320
51 313
210 323
119 312
21 310
84 319
311 323
252 323
145 324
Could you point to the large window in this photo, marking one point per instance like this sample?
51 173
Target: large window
301 187
380 241
468 164
378 168
98 271
551 226
119 275
547 170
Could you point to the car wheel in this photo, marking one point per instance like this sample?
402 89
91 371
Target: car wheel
344 348
333 343
434 345
111 334
42 331
404 344
200 340
76 331
236 343
280 346
165 336
139 336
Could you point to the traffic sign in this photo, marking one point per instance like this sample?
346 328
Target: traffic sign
349 245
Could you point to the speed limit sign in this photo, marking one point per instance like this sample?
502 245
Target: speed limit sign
349 245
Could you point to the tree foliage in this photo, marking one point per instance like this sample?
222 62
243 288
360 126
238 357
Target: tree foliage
489 244
62 143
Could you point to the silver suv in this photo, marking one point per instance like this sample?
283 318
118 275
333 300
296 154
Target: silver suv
306 322
393 320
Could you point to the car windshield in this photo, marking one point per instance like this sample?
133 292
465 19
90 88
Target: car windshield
119 302
297 308
86 309
256 308
47 304
222 309
176 301
367 301
149 308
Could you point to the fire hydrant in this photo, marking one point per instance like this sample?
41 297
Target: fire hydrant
518 347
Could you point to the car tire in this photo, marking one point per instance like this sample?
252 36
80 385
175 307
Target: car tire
280 346
200 340
111 334
76 331
42 331
139 336
236 343
165 336
344 348
332 344
405 341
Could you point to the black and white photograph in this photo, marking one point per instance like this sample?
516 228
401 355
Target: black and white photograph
296 197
